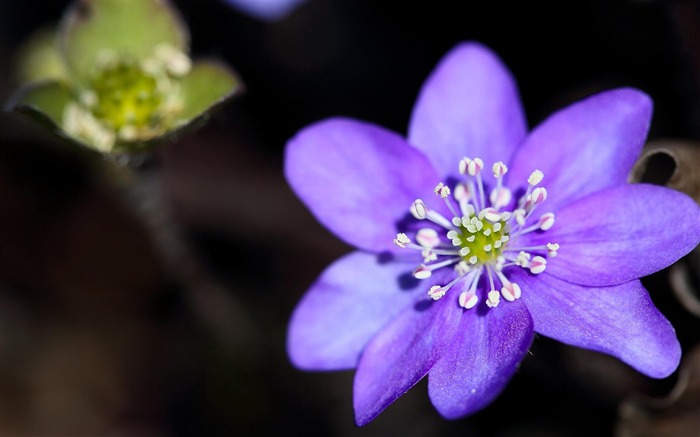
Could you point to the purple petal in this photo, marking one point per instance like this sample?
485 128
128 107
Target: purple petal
267 10
401 354
620 234
358 179
483 356
345 307
585 147
620 321
469 106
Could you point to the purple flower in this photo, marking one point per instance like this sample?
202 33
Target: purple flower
462 260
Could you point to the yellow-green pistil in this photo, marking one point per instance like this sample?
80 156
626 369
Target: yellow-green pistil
126 95
480 240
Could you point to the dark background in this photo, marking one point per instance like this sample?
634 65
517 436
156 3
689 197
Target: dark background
155 302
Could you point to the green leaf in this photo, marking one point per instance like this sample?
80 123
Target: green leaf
44 101
39 59
208 84
124 27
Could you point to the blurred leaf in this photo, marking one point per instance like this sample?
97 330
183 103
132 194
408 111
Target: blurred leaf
126 27
44 101
39 59
208 84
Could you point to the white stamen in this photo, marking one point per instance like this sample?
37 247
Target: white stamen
500 261
490 214
429 255
475 166
401 240
494 299
467 300
464 251
473 259
471 238
511 291
487 232
497 227
427 237
436 292
497 244
538 265
471 166
442 190
419 210
519 215
500 197
462 268
422 272
499 169
535 178
552 249
539 195
546 221
461 192
523 259
487 248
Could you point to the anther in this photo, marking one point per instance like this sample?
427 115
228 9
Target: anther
401 240
427 237
539 195
535 178
499 169
422 272
436 292
468 300
537 265
546 221
419 210
511 291
552 249
462 268
500 197
494 297
442 190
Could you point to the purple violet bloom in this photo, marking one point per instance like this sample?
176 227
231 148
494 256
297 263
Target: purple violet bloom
482 260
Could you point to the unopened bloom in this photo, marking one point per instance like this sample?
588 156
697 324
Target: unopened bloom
473 235
125 76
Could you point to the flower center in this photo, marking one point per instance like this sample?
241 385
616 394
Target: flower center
128 99
481 239
125 94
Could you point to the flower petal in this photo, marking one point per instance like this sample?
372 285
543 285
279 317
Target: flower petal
483 356
401 354
620 321
620 234
351 300
469 106
587 146
358 179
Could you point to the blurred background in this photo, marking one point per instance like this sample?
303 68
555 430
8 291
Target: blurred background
155 302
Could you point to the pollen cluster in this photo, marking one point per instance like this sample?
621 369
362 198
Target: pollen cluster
480 240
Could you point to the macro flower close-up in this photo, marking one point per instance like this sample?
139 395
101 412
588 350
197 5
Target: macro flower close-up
474 234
